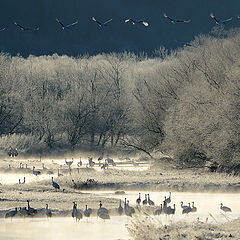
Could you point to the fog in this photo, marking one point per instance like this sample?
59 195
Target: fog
62 228
208 206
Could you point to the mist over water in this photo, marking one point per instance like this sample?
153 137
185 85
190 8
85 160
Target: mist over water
62 228
14 173
11 178
96 228
205 202
169 101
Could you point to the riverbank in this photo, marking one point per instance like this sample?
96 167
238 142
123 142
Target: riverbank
74 186
149 228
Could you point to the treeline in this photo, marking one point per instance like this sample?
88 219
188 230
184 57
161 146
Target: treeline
59 98
190 103
185 103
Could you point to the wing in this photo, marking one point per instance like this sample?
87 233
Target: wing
71 24
17 24
107 21
171 19
60 23
227 20
130 20
143 22
213 17
182 21
2 29
187 45
94 19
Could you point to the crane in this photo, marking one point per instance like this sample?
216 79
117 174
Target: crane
87 212
150 202
183 206
55 185
159 211
120 208
11 213
101 209
175 20
217 21
31 210
101 24
138 201
145 201
102 212
66 26
23 211
24 28
225 209
194 209
168 200
136 21
187 209
35 172
170 210
76 213
127 209
48 211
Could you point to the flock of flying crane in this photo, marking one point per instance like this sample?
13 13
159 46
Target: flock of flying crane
103 212
129 20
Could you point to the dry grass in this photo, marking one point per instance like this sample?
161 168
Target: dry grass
20 141
146 227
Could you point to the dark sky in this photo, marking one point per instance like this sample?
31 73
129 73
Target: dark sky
87 37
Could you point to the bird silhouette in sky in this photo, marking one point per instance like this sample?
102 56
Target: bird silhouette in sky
217 21
136 21
24 28
185 44
175 20
100 24
66 26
